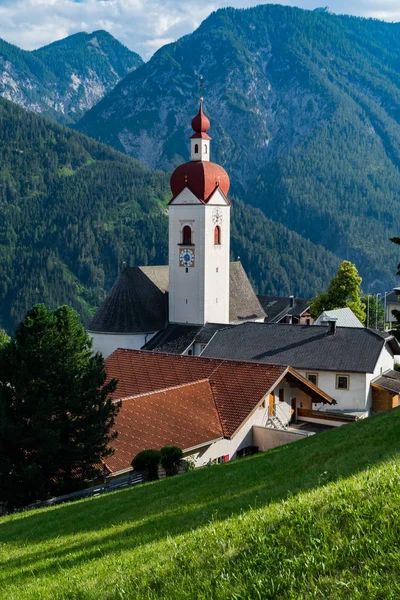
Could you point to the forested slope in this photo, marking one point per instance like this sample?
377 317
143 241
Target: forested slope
305 117
72 211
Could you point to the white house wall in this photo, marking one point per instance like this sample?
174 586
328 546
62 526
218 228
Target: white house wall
353 399
384 363
106 343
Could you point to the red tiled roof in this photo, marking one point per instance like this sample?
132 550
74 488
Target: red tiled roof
200 123
237 386
183 416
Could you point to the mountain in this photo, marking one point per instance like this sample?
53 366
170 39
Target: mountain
66 78
305 115
314 519
72 211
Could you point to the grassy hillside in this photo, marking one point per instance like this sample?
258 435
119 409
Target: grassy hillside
316 519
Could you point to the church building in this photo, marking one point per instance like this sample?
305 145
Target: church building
176 307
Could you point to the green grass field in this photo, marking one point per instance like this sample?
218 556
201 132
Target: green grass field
316 519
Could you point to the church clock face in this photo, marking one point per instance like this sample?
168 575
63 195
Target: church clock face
186 257
217 216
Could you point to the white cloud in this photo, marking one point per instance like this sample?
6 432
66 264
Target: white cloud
143 25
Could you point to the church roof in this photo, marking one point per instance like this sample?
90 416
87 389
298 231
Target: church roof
201 177
138 302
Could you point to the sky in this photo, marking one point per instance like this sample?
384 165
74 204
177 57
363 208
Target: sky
142 25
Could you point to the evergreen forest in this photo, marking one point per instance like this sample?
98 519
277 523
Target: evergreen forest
73 212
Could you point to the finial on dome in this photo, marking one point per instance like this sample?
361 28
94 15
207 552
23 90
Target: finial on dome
201 88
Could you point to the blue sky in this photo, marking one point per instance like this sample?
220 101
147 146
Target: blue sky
143 25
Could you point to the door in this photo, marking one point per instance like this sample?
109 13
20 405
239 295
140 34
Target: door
271 405
293 416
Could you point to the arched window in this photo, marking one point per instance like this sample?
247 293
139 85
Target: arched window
205 148
196 148
187 235
217 235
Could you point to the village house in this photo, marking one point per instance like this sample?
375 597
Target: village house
342 361
286 309
215 410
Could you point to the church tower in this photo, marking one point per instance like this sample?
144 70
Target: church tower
199 235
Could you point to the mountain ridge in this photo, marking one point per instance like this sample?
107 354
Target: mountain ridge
305 117
67 77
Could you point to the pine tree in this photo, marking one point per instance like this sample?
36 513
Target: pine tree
56 413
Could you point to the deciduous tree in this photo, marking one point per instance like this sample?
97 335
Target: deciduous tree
343 290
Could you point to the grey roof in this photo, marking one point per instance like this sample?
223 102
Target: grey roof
138 302
243 302
301 346
389 380
345 318
391 298
278 307
175 339
208 331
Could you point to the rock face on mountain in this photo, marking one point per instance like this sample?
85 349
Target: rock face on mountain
66 78
305 113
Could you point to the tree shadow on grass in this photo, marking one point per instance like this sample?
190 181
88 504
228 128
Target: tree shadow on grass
139 516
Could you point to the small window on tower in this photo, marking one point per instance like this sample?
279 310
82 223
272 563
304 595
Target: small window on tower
196 148
217 236
187 235
205 148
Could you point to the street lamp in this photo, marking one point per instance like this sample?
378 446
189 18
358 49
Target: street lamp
376 311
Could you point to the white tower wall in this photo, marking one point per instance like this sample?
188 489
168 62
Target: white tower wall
199 294
199 149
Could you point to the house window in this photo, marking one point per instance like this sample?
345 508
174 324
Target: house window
281 395
342 382
187 236
217 236
196 148
312 377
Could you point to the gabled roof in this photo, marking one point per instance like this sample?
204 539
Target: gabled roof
389 380
278 307
183 416
237 386
187 400
302 346
344 318
138 302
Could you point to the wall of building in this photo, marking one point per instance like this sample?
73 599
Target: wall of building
384 363
353 399
106 343
200 293
259 418
266 438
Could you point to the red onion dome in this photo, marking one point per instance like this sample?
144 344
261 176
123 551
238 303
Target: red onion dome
200 123
201 177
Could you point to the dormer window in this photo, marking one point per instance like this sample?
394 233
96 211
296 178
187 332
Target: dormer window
217 236
187 236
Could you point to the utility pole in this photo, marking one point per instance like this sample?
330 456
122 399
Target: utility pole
376 311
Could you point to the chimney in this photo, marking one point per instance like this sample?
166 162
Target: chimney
331 325
291 298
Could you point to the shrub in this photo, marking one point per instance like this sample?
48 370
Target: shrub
147 461
171 457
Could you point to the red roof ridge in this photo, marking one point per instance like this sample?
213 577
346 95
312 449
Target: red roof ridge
166 389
